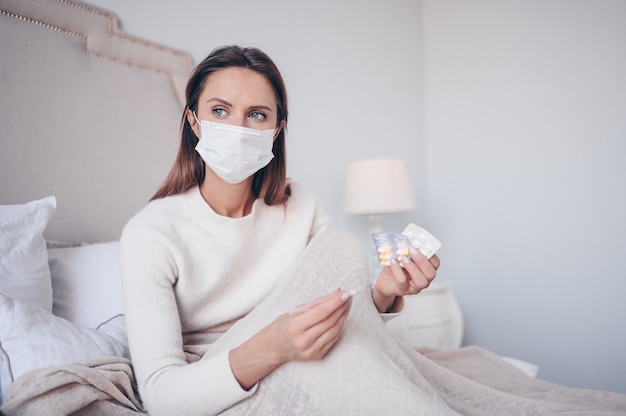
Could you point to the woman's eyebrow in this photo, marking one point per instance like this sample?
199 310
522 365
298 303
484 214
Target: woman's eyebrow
262 107
219 100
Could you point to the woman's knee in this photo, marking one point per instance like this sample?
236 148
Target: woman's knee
346 253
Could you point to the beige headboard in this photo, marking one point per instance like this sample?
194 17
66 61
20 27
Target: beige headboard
87 114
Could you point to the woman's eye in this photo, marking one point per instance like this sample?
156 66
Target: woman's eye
219 112
257 115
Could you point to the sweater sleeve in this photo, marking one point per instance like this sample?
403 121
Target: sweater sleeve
396 310
167 384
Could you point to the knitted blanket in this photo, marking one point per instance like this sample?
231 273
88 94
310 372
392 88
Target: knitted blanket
366 373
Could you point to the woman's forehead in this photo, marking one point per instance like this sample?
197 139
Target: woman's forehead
239 85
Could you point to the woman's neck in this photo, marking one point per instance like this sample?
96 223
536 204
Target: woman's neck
234 201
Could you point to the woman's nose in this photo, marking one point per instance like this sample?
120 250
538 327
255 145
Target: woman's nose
240 120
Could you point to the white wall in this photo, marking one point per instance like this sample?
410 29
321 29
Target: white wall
525 128
517 156
352 69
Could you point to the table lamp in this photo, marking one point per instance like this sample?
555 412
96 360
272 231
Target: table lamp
376 187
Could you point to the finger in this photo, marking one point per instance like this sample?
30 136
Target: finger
302 335
427 269
315 302
416 280
329 345
324 335
435 261
332 320
323 347
324 309
307 306
308 345
398 274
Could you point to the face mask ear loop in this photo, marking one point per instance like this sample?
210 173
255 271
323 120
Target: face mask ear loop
277 131
197 121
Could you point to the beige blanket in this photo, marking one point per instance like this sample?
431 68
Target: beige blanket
366 373
99 387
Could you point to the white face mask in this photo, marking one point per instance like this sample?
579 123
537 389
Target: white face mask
234 153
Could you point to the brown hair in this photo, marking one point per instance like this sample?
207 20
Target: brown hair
189 168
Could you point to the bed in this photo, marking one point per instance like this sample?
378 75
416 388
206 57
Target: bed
80 103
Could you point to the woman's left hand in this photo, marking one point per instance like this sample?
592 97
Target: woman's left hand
409 276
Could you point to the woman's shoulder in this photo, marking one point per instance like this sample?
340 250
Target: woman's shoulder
299 191
303 198
162 205
161 211
304 201
300 195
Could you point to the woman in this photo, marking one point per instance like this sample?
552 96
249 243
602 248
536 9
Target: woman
216 239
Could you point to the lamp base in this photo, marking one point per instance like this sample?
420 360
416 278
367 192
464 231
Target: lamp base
375 226
376 223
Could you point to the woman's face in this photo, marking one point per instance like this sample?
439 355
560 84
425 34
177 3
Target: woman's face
237 96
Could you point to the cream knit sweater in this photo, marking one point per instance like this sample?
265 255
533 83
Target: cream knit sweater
186 270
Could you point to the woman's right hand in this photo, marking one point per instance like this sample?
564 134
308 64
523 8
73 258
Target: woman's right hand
311 330
304 334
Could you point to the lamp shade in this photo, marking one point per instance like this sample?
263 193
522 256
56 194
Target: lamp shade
379 186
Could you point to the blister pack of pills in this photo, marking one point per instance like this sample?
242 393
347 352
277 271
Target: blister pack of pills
393 246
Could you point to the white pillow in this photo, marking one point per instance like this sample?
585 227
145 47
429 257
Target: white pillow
24 272
86 283
32 338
